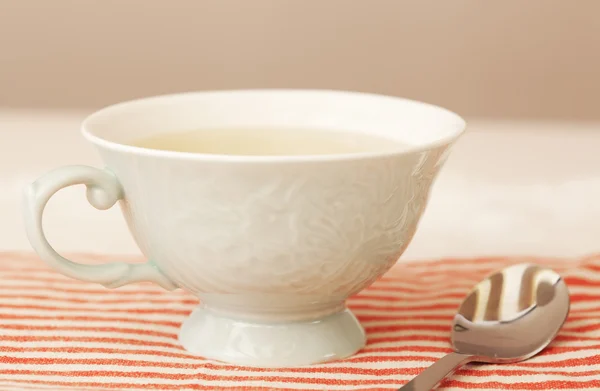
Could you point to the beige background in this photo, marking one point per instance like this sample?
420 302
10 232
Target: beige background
511 58
518 182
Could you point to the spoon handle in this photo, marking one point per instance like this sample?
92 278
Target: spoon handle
432 376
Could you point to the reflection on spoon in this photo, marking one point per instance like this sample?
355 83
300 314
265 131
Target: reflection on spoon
508 317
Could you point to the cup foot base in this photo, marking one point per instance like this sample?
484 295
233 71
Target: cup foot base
216 337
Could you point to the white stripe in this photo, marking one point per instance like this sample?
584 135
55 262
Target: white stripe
119 338
429 293
216 383
408 333
415 276
540 359
57 281
19 386
594 318
149 316
66 343
86 324
591 333
140 356
156 314
468 262
575 344
534 378
141 304
174 329
99 294
585 353
79 285
412 304
199 361
425 283
88 334
584 345
109 300
387 307
401 344
192 373
470 267
365 312
100 297
420 284
189 372
585 305
115 355
408 322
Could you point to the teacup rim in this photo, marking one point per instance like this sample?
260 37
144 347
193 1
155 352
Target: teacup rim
460 128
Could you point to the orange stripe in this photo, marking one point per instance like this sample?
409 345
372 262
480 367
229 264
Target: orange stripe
579 281
592 267
582 297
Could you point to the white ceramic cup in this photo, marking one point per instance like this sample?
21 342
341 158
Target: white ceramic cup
272 245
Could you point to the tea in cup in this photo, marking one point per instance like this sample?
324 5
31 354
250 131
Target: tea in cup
271 206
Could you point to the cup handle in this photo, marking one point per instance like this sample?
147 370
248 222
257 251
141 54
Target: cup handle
103 191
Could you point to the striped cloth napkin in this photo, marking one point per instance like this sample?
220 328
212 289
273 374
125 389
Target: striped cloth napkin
61 334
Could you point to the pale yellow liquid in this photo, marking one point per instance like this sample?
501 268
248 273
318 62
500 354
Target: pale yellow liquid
265 142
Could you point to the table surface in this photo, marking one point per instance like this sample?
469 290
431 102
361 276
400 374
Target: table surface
508 188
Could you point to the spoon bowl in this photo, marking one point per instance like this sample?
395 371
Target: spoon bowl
508 317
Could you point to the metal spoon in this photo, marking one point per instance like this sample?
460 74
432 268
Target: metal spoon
510 316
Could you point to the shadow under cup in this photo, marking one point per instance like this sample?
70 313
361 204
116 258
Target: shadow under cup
272 245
